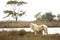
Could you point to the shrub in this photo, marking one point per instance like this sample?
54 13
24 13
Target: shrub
22 32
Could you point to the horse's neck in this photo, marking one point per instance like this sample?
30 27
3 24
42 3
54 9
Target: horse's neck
35 24
35 27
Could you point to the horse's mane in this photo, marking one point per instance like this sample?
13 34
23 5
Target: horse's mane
33 24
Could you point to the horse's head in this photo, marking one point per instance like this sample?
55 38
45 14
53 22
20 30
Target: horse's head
31 25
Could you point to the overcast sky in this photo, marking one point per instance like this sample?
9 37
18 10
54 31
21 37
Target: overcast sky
32 7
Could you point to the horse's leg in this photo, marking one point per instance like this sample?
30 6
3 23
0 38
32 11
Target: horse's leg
35 33
45 31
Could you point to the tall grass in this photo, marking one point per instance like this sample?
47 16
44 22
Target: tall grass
23 35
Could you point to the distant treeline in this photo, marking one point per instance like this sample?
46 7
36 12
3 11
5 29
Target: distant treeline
48 16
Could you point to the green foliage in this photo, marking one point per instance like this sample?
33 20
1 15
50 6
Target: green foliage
48 16
21 3
38 16
45 17
16 2
58 16
12 2
22 13
13 13
8 12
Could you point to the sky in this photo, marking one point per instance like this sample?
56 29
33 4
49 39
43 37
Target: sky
32 7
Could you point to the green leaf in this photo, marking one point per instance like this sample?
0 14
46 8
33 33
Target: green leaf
7 16
22 13
21 3
38 14
9 12
12 2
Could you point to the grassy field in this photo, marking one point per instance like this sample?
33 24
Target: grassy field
26 24
23 35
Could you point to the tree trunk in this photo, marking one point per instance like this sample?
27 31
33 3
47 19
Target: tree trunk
16 18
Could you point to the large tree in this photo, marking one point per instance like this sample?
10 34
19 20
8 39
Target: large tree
14 5
48 16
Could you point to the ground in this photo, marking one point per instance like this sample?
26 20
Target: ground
22 35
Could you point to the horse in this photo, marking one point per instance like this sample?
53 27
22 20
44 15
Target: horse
37 28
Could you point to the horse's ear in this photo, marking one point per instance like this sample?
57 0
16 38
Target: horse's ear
31 23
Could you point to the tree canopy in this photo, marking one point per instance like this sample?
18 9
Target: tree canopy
13 13
48 16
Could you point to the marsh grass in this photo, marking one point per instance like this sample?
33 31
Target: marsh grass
23 35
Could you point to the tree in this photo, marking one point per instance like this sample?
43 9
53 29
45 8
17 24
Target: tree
58 16
13 13
38 16
48 16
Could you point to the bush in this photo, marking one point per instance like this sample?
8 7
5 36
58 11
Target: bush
22 32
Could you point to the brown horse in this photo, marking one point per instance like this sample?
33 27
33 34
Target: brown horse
36 28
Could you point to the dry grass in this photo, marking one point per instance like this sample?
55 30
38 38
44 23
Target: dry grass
16 35
26 24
